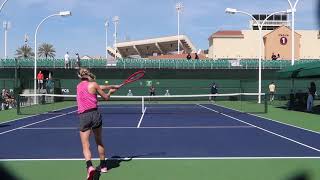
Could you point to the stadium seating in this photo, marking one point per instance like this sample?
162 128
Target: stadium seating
158 63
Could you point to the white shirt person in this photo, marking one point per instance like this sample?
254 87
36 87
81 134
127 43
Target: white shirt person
67 61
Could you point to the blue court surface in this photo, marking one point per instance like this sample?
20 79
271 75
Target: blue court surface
162 131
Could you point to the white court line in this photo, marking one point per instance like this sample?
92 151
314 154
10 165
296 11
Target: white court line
170 158
284 137
36 122
144 111
164 127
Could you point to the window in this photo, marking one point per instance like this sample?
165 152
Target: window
277 17
284 17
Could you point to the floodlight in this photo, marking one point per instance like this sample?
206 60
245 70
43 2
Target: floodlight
65 13
231 11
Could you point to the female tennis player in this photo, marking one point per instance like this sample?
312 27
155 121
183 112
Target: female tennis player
90 118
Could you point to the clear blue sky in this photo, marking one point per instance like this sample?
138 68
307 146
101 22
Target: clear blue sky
84 31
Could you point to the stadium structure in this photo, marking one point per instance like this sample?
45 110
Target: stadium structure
152 47
230 44
277 38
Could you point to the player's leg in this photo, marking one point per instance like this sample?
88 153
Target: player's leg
85 131
85 136
101 149
97 130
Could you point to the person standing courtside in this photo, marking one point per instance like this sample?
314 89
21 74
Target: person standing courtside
272 90
311 96
40 80
213 90
66 61
78 61
152 90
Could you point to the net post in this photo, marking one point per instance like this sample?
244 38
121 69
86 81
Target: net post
18 104
142 104
265 103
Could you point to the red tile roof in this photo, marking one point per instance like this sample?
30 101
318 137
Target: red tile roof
227 33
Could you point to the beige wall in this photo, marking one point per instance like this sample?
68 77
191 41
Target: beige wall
310 44
273 45
248 47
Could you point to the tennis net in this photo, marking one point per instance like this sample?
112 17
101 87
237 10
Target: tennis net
30 104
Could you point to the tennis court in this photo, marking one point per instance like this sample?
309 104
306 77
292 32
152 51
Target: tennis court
194 130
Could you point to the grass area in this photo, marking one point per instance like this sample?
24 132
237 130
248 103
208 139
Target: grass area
276 169
10 114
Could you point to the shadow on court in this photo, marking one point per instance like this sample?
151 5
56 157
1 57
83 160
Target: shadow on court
5 174
300 176
4 125
115 161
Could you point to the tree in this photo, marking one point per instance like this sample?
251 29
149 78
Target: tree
46 50
24 52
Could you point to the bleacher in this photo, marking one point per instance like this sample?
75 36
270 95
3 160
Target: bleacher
156 63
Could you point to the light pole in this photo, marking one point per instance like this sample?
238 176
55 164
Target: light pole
293 10
63 14
260 26
115 21
106 24
179 8
6 26
5 41
3 4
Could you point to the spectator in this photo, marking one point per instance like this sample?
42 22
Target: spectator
273 57
167 93
3 104
66 61
278 57
78 61
196 56
311 96
8 99
49 85
152 91
272 90
189 56
214 90
40 80
129 93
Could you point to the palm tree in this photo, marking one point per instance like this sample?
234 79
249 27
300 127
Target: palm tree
24 52
46 50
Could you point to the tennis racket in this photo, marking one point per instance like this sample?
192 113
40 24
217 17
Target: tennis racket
134 77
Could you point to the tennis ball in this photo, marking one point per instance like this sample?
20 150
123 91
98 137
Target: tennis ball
106 82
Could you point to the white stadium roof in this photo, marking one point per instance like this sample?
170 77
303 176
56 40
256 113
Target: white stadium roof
147 47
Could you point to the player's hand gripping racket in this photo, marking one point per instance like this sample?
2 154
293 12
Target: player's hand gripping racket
134 77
